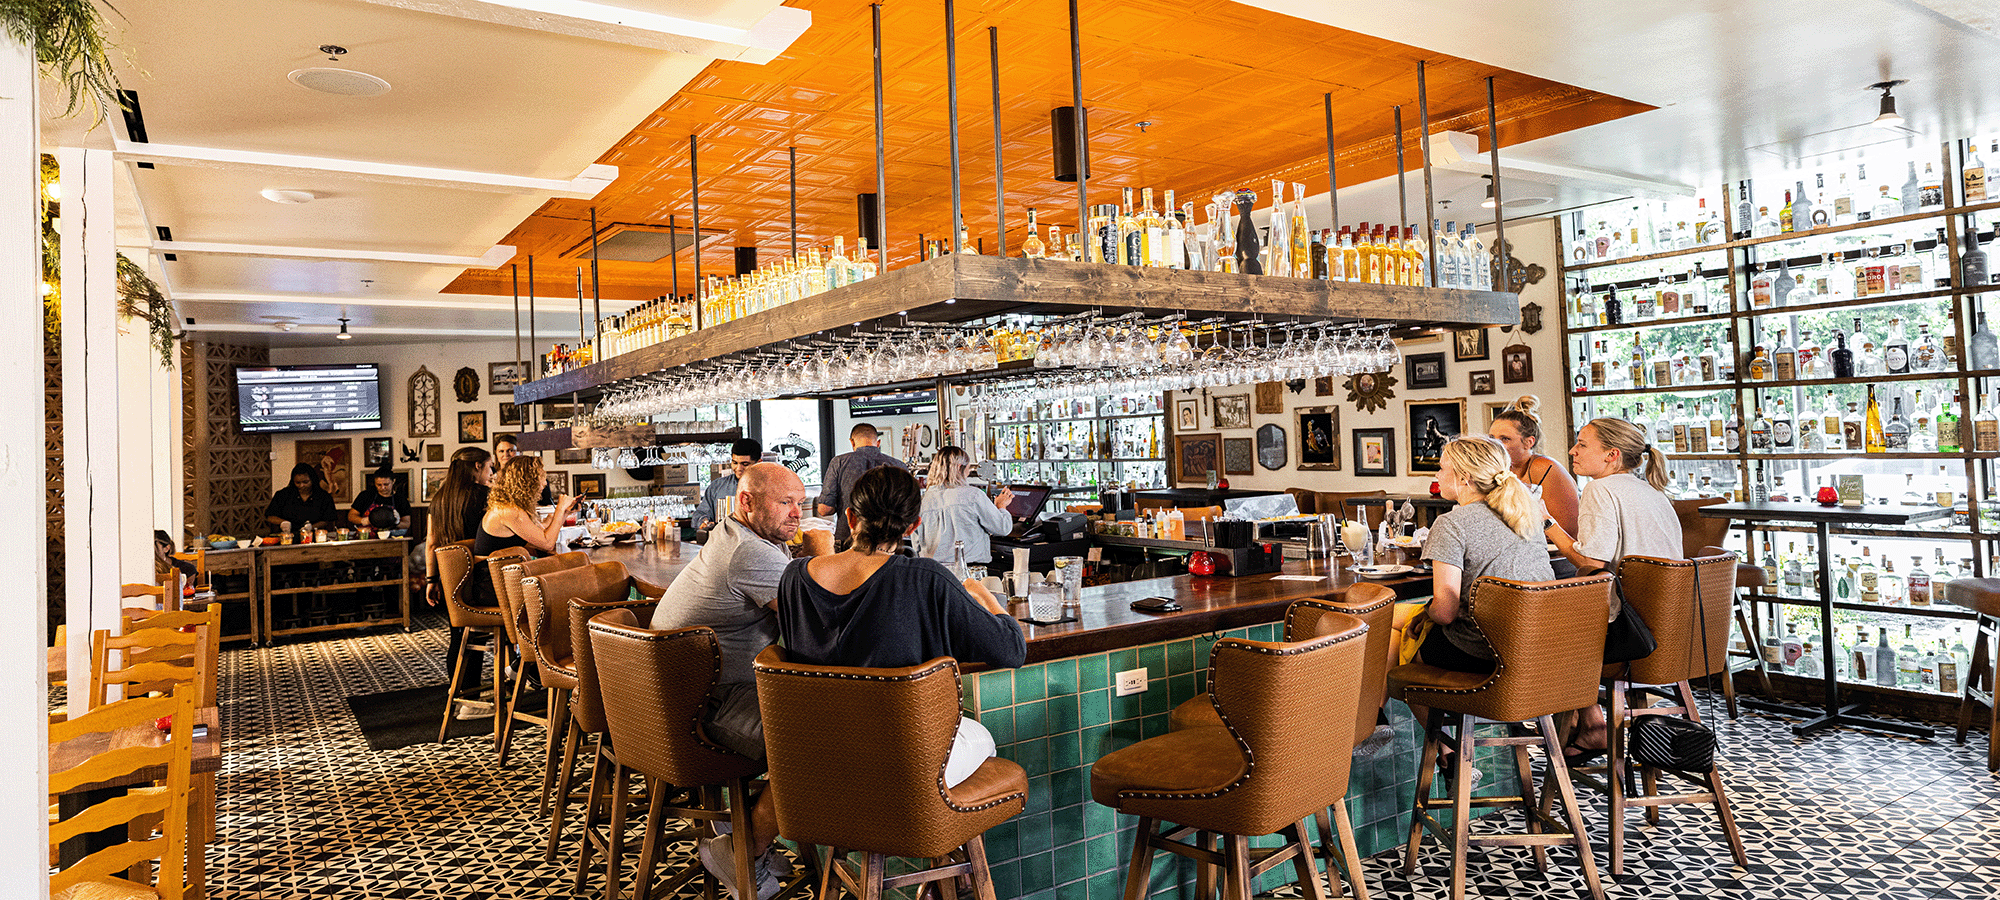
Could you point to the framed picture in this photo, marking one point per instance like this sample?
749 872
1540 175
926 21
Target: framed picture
1239 456
1271 447
402 479
1232 411
1195 455
1323 386
434 453
432 477
1482 382
1493 411
1469 344
502 376
510 414
572 456
334 458
1270 398
1374 451
1432 423
1187 414
559 482
589 486
1423 370
1319 438
472 426
1517 364
374 452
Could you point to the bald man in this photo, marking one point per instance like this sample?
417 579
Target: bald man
731 587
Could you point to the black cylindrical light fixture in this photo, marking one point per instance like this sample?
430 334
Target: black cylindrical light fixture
746 260
870 215
1062 128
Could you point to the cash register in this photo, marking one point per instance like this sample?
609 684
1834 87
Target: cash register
1061 535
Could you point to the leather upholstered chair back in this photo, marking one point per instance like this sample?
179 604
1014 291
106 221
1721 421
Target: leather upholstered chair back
587 591
664 679
1375 606
857 757
507 595
462 597
1338 502
1663 591
1699 531
510 573
1548 639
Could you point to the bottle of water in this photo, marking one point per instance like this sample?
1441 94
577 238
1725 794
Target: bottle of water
958 569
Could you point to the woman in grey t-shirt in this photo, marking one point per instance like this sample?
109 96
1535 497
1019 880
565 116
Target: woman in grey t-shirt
1492 531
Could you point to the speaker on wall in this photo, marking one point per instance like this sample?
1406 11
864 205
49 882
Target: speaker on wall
746 260
870 208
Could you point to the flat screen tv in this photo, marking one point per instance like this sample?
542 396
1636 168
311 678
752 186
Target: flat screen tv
342 397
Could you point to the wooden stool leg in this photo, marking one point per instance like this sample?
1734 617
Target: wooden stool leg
600 773
1204 874
1140 874
1461 803
1236 875
1420 806
982 874
642 884
558 714
1614 776
739 825
451 691
1303 864
871 877
614 845
1722 811
1567 792
829 885
565 785
1524 770
1975 675
1349 853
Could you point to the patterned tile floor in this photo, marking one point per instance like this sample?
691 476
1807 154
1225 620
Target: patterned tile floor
307 810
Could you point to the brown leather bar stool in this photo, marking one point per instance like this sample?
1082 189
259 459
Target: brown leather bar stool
1750 579
508 590
1982 596
1282 704
1680 599
825 730
1548 643
456 565
1375 606
655 720
557 678
589 591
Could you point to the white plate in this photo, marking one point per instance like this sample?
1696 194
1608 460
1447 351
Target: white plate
1405 541
1380 571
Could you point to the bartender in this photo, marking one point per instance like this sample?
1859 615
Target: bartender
742 455
304 503
380 506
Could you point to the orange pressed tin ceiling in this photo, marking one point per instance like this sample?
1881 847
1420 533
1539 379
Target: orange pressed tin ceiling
1233 95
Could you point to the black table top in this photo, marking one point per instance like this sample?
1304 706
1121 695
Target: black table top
1788 511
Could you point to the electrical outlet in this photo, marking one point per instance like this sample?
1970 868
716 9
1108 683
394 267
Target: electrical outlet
1132 681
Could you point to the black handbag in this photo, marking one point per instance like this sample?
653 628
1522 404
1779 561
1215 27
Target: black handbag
1671 742
1627 638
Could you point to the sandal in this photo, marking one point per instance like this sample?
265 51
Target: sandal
1578 757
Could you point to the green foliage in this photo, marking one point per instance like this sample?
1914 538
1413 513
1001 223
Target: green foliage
70 47
140 298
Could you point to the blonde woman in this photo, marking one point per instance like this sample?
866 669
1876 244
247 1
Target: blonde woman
1519 429
1494 530
955 511
1624 509
510 510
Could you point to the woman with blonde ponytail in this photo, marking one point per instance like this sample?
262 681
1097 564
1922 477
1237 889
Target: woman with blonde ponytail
1494 530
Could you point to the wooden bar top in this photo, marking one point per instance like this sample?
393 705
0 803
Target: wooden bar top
647 562
207 750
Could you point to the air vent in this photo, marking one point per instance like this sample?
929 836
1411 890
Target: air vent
637 243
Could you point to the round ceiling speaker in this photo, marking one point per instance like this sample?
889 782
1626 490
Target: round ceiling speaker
279 195
344 82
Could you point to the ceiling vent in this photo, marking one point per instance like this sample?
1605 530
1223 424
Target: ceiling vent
637 243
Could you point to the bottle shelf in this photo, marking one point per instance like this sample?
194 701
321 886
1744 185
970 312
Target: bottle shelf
1938 375
1948 533
1928 612
1878 300
1122 459
1150 415
1657 322
1759 455
1740 243
1688 390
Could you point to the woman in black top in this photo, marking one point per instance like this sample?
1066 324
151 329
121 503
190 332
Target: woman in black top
510 511
305 503
456 506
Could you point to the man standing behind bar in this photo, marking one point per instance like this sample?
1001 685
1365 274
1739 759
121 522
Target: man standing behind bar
731 587
845 470
742 455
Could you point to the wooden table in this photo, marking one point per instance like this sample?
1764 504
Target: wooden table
207 760
647 562
1823 518
334 551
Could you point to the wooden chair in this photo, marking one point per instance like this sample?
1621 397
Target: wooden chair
457 568
198 556
102 733
151 660
208 625
162 597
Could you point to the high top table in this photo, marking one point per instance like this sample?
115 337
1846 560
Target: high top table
1822 518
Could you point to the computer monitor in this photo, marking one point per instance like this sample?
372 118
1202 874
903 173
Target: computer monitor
1026 504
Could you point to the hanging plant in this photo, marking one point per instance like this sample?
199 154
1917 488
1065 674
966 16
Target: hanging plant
70 48
140 298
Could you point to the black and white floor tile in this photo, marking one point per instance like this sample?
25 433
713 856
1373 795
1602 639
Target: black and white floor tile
307 810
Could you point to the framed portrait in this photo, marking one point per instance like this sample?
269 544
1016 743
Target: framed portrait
1239 456
1270 398
502 376
472 426
1432 423
1195 455
1493 411
1482 382
434 453
1517 364
334 458
1187 414
1469 344
590 487
1271 447
1319 438
1374 451
432 477
1423 370
510 414
375 452
1232 411
572 456
559 482
1323 386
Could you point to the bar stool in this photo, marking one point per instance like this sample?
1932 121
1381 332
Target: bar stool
456 563
1749 579
825 730
1982 596
1264 772
557 678
1686 604
507 568
600 587
1548 647
1375 606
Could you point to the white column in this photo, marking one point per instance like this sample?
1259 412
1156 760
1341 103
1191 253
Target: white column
91 411
24 836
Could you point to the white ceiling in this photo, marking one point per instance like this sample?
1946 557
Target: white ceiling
514 106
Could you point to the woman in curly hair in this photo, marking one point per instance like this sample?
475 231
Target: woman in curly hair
510 510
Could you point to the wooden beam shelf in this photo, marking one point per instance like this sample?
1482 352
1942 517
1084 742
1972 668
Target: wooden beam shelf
963 287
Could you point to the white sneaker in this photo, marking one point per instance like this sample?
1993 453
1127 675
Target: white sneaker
718 856
474 709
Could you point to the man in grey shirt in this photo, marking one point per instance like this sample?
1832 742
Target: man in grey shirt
845 470
731 587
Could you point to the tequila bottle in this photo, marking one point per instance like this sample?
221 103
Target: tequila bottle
1580 382
1785 359
1249 260
1896 349
1766 224
1887 205
1760 434
1812 360
1829 423
1896 434
1706 360
1663 427
1763 290
1842 357
1176 231
1614 309
1662 366
1783 430
1930 190
1919 583
1948 434
1925 354
1760 364
1852 427
1301 243
1802 210
1784 284
1875 440
1985 428
1131 234
1868 578
1278 253
1683 431
1795 575
1032 247
1785 215
1923 425
1843 201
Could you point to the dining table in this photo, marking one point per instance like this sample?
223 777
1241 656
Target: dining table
207 759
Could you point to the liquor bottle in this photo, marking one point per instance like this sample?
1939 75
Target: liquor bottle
1103 242
1614 310
1694 295
1875 441
1763 291
1923 424
1896 349
1783 431
966 245
1301 240
1972 263
1698 436
1706 360
1794 582
1766 224
1887 205
1944 495
1810 665
1985 428
1716 426
1316 265
1852 428
1812 361
1810 438
1909 660
1645 304
1683 431
1930 190
1131 234
1743 208
1773 573
1032 247
1662 366
1784 359
1861 656
1784 284
1785 215
1949 439
1802 210
1925 354
1912 191
1975 172
1635 368
1896 434
1581 381
1791 648
1959 661
1945 669
1829 424
1985 347
1663 427
1732 434
1249 259
1278 250
1919 583
1842 357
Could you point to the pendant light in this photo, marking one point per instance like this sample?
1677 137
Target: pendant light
1887 117
343 335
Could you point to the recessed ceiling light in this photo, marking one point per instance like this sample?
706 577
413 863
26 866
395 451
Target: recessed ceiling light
344 82
279 195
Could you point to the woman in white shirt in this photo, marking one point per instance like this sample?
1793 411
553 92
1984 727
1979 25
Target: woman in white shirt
954 511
